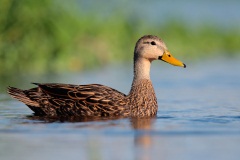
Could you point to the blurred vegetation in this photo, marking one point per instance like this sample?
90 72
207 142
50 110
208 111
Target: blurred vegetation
46 36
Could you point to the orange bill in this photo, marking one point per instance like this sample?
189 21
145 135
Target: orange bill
167 57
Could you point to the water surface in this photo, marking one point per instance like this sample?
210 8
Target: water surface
198 118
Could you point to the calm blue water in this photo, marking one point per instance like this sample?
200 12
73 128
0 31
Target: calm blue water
198 118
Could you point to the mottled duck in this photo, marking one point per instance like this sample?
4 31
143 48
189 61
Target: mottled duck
95 100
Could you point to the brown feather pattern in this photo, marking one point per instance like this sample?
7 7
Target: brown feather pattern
88 100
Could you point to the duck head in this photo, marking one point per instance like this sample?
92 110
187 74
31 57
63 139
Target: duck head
151 48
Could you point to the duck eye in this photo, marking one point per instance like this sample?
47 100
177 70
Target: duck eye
153 43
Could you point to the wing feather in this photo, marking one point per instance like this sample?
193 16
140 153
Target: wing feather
87 100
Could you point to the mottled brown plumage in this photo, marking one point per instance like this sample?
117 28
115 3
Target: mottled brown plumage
95 100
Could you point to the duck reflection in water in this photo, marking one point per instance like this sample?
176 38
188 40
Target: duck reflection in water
142 137
141 129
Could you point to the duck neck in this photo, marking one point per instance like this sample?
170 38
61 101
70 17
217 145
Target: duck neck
141 98
141 70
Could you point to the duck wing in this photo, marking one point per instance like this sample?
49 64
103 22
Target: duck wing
77 100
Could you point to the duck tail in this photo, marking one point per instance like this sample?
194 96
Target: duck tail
21 96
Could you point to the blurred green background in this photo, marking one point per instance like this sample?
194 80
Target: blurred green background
53 36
